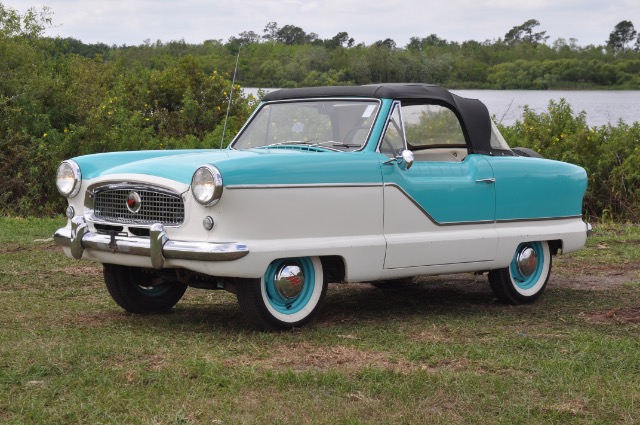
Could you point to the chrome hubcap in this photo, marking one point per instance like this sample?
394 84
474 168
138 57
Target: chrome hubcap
289 281
527 261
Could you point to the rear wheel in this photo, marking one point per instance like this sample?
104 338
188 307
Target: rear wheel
526 277
137 291
289 294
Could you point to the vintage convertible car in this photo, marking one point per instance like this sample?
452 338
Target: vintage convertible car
326 184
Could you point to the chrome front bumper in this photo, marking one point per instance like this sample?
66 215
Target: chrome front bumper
158 246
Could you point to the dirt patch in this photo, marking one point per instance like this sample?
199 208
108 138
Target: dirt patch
438 334
621 315
95 319
13 249
48 248
594 277
40 245
82 270
573 407
304 357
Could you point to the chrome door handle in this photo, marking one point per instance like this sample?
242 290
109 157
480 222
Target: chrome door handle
491 180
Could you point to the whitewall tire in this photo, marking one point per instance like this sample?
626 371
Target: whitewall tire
527 275
288 295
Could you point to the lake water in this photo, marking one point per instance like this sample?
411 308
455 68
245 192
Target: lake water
602 106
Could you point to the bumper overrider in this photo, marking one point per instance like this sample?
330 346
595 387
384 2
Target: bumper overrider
157 246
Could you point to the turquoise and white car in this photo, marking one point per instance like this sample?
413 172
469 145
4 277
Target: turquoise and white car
327 184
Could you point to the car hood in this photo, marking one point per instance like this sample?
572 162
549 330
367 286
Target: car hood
237 167
174 165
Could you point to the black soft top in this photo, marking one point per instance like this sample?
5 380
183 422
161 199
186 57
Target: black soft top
473 113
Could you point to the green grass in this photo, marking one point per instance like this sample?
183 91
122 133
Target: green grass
441 351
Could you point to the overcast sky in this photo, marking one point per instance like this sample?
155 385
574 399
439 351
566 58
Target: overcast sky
132 22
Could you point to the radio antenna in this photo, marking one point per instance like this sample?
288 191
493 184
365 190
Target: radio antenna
233 82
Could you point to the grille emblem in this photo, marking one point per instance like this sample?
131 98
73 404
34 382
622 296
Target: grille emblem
134 202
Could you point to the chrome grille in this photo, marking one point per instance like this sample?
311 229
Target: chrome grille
156 206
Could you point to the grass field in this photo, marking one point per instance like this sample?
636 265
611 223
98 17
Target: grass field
442 350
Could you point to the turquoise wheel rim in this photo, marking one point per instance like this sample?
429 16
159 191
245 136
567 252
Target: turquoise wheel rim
527 265
290 302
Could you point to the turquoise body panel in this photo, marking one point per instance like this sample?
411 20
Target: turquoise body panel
175 165
248 167
293 167
448 191
535 188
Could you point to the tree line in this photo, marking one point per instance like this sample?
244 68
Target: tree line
288 56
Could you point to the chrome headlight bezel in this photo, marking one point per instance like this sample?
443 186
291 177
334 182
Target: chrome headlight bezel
206 185
68 178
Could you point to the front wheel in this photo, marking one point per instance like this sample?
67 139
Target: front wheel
137 291
527 275
288 295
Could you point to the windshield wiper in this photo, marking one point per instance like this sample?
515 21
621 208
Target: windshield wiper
346 145
335 144
290 142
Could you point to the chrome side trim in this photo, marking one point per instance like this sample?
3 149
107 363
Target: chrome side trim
158 246
518 220
298 186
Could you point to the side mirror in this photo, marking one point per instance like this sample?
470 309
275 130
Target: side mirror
406 160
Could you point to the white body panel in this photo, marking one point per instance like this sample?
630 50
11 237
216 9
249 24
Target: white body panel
413 239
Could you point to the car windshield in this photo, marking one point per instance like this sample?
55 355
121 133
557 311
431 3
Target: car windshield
334 124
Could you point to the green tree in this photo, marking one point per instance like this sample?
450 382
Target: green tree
339 40
623 33
291 34
524 34
30 25
270 31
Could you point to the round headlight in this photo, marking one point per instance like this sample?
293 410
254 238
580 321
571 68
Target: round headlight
206 185
68 179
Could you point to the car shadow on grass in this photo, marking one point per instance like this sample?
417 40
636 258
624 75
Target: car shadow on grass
363 301
218 312
431 298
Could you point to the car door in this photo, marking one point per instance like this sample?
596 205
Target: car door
441 210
